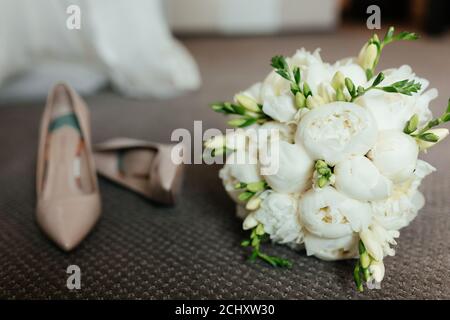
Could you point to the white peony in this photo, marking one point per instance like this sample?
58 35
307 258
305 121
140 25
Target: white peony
402 206
327 213
314 70
328 249
286 132
398 74
395 155
336 131
358 178
392 110
295 167
278 215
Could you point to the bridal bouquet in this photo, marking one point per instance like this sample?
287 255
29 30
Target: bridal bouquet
345 140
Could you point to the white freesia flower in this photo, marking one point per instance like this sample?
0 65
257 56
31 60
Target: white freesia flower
376 270
378 240
395 155
234 172
327 249
335 131
402 206
392 110
359 179
278 101
295 167
278 215
328 213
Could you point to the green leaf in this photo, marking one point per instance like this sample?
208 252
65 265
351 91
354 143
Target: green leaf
284 74
448 106
357 277
429 137
279 62
245 243
378 79
405 35
446 117
407 87
389 34
238 109
297 76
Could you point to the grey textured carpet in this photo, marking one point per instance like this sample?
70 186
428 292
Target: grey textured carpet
140 250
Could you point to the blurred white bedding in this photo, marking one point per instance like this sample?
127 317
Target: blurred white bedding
127 44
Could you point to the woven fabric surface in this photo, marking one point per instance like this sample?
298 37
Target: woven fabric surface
140 250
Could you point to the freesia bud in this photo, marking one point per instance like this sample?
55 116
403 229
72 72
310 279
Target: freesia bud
253 203
338 81
314 101
247 102
250 222
368 56
300 100
441 133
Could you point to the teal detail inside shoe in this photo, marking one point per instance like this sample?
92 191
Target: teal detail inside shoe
69 119
120 161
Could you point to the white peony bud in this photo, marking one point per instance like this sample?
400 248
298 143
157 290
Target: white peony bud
395 155
327 213
441 133
295 167
358 178
336 131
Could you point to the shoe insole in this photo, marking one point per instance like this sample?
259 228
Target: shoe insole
67 168
135 162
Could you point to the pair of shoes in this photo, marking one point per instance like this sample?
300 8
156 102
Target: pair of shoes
68 197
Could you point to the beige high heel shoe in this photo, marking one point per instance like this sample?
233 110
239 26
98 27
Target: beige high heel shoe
68 200
143 167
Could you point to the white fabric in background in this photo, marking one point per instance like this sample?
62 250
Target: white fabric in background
128 42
